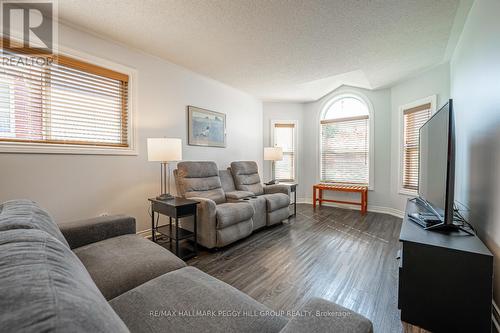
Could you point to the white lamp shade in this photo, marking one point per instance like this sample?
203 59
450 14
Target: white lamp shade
164 149
273 153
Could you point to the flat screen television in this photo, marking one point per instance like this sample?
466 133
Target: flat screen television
436 175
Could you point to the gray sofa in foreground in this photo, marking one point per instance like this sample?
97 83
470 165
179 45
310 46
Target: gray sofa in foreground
97 276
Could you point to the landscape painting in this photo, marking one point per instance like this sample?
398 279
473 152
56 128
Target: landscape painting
206 128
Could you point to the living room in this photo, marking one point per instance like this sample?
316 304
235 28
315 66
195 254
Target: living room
288 134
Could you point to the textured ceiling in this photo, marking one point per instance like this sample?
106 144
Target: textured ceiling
280 50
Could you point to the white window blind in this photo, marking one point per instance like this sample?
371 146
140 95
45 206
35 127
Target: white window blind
66 102
284 137
413 119
345 150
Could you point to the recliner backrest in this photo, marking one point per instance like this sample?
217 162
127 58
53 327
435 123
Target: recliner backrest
199 179
246 177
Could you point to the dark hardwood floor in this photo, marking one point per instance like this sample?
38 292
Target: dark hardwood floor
332 253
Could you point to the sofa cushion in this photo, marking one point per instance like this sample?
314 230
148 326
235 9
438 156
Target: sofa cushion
246 177
188 300
121 263
45 288
276 201
26 214
233 213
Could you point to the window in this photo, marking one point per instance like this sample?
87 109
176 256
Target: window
414 116
285 136
67 102
345 142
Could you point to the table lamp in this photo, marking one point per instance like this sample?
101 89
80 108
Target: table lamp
273 154
164 150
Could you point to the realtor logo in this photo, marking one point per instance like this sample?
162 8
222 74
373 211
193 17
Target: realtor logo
29 26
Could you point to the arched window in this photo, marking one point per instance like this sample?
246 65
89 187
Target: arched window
345 145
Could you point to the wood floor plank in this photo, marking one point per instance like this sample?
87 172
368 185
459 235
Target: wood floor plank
327 252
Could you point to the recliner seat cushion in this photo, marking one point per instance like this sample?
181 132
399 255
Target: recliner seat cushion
122 263
246 177
276 201
233 213
156 306
45 288
26 214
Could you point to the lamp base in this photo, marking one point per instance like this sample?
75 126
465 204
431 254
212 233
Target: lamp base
165 196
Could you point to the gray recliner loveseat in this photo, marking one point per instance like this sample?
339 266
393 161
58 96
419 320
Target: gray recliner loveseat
219 222
233 202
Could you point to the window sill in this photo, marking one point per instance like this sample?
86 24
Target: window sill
42 148
408 192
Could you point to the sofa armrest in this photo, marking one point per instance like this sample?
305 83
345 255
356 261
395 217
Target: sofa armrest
206 224
83 232
323 316
277 188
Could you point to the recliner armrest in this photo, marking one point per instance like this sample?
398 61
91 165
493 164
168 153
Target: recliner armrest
320 315
83 232
277 188
206 225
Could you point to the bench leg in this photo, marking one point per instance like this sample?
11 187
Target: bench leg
320 196
364 204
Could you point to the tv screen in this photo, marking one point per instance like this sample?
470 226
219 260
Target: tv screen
436 163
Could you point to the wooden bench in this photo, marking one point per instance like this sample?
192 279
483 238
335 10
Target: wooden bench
363 190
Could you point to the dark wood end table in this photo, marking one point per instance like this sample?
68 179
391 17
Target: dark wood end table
175 208
293 189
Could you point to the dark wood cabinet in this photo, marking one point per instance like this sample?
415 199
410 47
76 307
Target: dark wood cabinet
445 279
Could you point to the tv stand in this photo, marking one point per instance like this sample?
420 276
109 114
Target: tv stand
445 279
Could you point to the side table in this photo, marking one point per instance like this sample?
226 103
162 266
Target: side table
175 209
293 189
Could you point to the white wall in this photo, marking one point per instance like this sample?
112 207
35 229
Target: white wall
475 89
285 111
79 186
435 81
380 100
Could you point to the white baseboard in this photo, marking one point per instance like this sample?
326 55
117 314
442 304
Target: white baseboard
144 233
371 208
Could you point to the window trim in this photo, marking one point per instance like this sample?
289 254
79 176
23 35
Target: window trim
295 138
371 131
432 100
85 149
